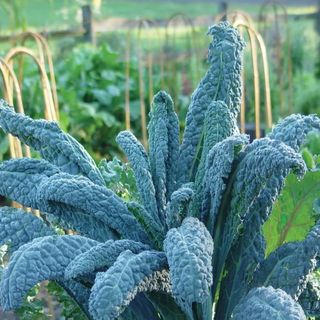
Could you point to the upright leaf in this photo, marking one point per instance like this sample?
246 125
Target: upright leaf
53 144
221 83
218 168
189 250
163 131
220 123
139 161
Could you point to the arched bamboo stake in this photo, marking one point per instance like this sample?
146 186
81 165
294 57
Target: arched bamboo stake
16 150
253 37
50 113
144 24
44 52
127 83
275 5
256 80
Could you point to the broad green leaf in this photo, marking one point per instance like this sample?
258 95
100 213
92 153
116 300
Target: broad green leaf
292 216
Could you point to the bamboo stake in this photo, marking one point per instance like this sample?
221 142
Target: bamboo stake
127 84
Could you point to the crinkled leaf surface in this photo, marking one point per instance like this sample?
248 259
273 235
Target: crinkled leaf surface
267 303
101 256
163 132
42 259
177 207
115 288
221 83
21 178
220 123
294 129
189 250
139 161
310 297
67 193
18 227
288 267
53 144
218 168
254 188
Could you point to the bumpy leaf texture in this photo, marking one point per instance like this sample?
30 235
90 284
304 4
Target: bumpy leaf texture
218 168
139 161
252 177
288 267
66 193
42 259
310 297
18 227
116 288
220 123
178 205
267 303
101 256
222 82
189 251
163 131
53 144
21 178
294 129
255 188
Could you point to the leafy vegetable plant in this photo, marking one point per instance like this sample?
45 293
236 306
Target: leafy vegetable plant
188 244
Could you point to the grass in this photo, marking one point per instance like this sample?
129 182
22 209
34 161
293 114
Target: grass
60 14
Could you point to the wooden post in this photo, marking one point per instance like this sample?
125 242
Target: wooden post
222 9
87 24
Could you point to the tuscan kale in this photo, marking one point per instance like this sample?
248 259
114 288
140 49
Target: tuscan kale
189 245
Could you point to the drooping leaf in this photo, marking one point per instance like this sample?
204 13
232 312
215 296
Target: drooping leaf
42 259
221 83
310 297
18 227
254 188
163 132
20 179
139 161
189 250
218 168
101 257
294 129
292 217
267 303
53 144
177 208
67 193
288 267
114 289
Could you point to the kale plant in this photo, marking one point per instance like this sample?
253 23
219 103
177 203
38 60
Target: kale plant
190 244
